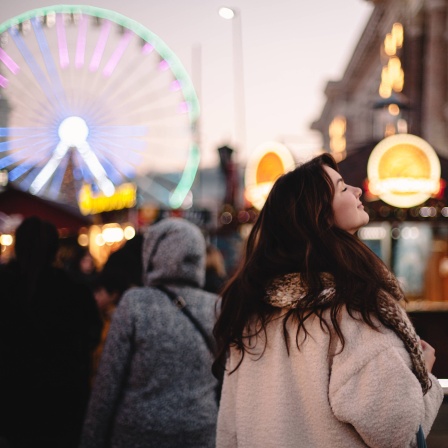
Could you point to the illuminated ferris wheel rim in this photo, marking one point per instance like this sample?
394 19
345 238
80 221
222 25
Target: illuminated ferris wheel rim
169 58
165 52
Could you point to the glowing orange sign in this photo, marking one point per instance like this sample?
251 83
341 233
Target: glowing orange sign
403 170
269 161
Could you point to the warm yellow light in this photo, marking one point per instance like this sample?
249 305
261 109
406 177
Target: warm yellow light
6 239
390 130
398 82
390 45
83 240
398 34
403 170
129 232
112 233
394 66
385 90
338 126
338 144
393 109
339 156
99 240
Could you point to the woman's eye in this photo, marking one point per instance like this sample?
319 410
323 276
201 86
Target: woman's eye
344 189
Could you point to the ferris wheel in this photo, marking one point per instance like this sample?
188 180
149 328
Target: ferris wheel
88 96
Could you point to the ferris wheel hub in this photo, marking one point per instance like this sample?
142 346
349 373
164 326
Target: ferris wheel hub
73 131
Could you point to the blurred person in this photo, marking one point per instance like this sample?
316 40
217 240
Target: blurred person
49 326
318 349
83 268
154 386
122 270
215 270
128 261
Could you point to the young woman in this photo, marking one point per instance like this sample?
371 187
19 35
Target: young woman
318 349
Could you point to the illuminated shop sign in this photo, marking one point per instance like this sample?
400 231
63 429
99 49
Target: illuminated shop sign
269 161
403 170
91 203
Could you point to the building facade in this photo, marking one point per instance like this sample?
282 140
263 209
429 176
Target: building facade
397 82
416 66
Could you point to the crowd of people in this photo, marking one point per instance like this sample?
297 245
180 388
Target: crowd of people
307 344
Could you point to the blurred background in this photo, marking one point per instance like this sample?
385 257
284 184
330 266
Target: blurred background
114 115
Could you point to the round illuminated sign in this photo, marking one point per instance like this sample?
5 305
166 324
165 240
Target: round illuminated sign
403 170
268 162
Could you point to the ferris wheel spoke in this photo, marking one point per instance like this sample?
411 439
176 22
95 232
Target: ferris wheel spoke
156 189
97 55
30 132
127 168
9 62
50 167
97 170
21 155
118 53
81 42
32 64
125 161
30 156
55 80
64 58
122 92
24 97
40 107
115 174
125 82
56 181
122 131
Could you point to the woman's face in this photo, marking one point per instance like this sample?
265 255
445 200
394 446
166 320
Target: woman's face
348 210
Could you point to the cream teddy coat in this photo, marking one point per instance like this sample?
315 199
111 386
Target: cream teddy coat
364 396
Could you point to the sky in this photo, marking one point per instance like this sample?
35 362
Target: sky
290 49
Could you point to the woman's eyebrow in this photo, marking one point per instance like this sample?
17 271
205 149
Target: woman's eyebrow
339 181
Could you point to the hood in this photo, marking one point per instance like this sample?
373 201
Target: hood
174 252
288 290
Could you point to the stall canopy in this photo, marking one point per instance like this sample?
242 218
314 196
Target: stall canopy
15 202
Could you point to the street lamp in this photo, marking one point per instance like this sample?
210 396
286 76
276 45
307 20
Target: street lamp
234 15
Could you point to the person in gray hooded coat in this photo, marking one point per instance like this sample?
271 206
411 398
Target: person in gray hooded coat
154 386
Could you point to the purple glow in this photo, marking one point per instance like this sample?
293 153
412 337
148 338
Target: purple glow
147 48
183 107
81 44
64 59
3 82
118 53
32 64
100 45
163 65
175 85
7 60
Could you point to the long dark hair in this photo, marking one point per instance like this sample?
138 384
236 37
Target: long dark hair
296 232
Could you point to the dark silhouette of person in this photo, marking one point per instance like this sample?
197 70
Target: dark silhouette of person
49 326
122 270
